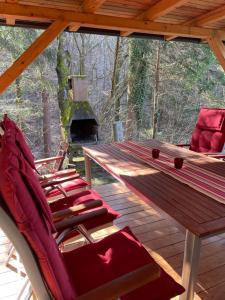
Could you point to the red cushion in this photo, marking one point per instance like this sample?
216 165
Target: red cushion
16 132
68 186
30 180
114 256
25 205
211 119
209 133
84 197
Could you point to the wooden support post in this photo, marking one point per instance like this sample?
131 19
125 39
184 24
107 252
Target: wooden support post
87 162
190 265
31 53
218 49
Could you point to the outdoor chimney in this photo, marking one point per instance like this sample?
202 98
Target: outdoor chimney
83 127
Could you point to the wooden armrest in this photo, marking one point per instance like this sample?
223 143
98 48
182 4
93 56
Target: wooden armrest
124 284
80 219
57 181
75 209
47 160
60 174
183 145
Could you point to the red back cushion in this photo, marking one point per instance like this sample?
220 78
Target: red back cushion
9 125
209 133
24 205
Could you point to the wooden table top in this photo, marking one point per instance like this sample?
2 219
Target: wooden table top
196 211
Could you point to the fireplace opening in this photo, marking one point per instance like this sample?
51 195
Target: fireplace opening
84 131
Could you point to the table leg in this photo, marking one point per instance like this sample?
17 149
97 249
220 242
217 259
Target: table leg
190 265
87 162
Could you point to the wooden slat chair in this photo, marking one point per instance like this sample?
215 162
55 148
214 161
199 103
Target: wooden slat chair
209 134
116 266
58 182
53 164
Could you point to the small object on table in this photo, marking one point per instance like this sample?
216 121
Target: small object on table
155 153
178 162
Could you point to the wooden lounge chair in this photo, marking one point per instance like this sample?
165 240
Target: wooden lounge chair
209 134
61 208
64 211
117 266
60 181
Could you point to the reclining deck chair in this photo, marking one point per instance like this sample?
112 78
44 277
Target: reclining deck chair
117 266
72 180
209 133
74 205
63 207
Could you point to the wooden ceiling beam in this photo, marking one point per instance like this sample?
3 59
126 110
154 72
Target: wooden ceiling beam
205 19
218 48
28 12
88 6
39 45
157 10
91 6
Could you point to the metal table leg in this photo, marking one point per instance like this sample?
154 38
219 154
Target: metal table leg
190 264
87 162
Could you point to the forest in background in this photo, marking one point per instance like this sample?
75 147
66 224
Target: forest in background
156 88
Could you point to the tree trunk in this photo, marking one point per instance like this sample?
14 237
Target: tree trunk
64 98
115 98
19 102
156 95
46 123
131 121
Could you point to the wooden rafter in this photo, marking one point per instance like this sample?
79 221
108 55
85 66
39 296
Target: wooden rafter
31 53
88 6
91 6
157 10
205 19
25 12
218 49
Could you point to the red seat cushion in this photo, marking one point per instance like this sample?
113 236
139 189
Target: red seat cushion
114 256
209 133
84 197
69 186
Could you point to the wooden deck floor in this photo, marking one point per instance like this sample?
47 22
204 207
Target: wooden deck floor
162 237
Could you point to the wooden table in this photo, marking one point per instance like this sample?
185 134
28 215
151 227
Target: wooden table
200 214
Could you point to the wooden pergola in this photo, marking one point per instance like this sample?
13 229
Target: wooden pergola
198 20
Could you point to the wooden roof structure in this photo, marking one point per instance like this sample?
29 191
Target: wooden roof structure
201 20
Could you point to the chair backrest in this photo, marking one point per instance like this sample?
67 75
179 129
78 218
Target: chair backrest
9 125
63 148
209 132
18 190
